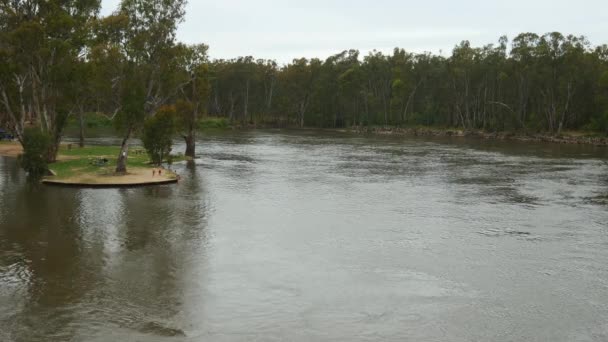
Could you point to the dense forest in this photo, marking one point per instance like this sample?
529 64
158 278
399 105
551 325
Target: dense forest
61 59
545 83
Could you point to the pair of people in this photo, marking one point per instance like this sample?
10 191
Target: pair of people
154 171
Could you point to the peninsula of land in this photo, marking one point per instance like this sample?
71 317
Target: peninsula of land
94 166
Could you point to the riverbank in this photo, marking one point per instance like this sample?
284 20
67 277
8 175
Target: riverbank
571 137
566 137
10 149
94 167
107 178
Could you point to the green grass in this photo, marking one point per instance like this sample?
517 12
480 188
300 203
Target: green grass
214 123
77 161
91 120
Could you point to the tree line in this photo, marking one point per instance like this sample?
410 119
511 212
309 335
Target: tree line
543 83
61 58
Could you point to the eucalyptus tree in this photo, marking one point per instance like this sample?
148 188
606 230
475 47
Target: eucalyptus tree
297 81
149 46
269 75
379 85
405 84
193 98
350 83
226 82
107 61
523 59
41 45
600 120
330 102
560 76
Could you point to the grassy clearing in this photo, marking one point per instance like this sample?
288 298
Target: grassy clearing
213 123
82 161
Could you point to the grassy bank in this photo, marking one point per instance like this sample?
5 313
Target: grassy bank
78 161
96 165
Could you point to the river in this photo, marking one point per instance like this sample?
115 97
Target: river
308 236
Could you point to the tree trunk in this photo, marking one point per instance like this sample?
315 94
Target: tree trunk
269 102
121 164
246 105
190 145
231 114
17 124
51 155
409 101
81 132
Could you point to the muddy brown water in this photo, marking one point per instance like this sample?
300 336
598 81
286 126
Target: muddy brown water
306 236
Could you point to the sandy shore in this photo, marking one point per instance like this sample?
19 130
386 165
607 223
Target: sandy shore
135 177
10 149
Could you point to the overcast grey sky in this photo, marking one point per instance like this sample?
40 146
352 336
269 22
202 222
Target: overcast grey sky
286 29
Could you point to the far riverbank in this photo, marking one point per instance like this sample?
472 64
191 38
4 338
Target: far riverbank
576 138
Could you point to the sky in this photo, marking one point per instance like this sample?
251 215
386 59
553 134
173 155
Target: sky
286 29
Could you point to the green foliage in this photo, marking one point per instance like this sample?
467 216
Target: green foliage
599 123
132 113
158 134
129 64
41 45
545 83
91 120
214 123
35 146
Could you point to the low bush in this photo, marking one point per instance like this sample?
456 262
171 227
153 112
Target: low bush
35 147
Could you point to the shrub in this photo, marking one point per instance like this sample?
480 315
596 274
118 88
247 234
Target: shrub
35 146
158 134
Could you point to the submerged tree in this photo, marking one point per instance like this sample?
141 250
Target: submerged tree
193 96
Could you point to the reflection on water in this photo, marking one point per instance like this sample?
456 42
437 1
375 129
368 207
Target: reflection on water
307 236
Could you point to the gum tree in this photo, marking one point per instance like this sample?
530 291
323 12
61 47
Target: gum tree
41 42
149 46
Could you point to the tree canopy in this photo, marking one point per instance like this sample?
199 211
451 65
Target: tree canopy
60 58
543 83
